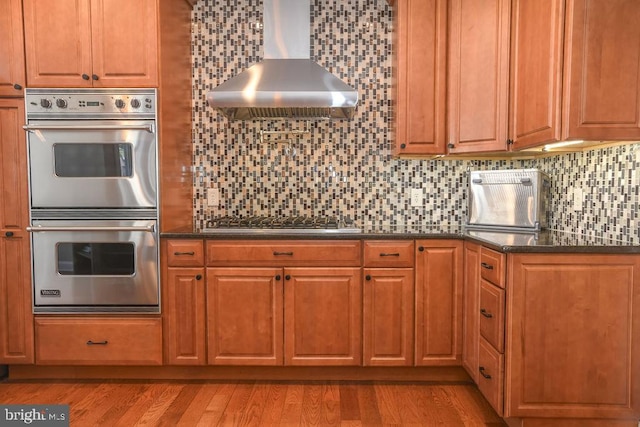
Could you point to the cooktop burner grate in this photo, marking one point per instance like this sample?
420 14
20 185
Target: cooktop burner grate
288 224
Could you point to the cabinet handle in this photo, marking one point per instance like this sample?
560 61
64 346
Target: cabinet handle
17 86
482 372
367 277
85 77
487 266
421 248
184 253
94 76
287 277
451 146
278 277
385 254
198 276
9 234
105 342
485 313
282 253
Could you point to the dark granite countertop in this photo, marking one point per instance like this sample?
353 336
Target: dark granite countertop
549 241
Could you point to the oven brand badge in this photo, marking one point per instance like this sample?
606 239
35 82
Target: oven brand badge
50 292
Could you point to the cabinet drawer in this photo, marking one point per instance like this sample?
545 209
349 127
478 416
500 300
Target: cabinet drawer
492 315
98 341
491 375
492 265
335 253
185 253
388 254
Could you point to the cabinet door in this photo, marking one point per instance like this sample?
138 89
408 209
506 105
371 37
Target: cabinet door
388 300
573 318
244 316
438 302
58 43
478 79
184 316
323 316
537 35
124 40
16 319
602 70
471 307
12 79
421 76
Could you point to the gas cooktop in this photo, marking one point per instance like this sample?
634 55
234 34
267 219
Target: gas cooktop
279 225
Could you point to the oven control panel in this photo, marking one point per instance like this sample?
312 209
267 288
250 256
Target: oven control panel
79 102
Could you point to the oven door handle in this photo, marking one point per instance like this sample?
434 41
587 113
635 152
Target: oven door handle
147 228
30 128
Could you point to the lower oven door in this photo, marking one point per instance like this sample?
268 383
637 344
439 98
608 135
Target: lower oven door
95 266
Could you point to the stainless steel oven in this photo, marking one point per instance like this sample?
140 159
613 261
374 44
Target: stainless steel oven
93 199
95 265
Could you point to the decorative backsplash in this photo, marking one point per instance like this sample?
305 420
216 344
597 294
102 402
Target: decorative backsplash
345 168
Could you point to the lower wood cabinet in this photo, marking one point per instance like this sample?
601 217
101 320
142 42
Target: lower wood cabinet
98 340
438 270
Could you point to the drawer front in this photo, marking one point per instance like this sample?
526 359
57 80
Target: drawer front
389 254
491 375
93 341
492 315
185 253
248 253
492 266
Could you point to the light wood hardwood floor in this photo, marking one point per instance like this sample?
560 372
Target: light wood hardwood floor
259 403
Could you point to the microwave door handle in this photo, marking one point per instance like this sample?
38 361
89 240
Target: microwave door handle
31 128
148 228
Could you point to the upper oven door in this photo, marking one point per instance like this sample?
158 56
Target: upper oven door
92 163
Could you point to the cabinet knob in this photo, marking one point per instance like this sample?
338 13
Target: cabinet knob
368 277
450 145
198 276
421 248
94 76
403 146
9 234
85 77
17 86
278 277
485 313
483 373
287 277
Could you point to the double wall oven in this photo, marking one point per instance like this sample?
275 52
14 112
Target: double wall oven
94 199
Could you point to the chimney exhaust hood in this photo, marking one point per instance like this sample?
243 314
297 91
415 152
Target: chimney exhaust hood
287 83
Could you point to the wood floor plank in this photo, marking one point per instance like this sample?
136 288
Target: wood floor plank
174 412
160 405
127 399
311 404
330 410
274 405
198 405
236 404
217 405
142 404
471 406
292 410
368 403
252 412
349 406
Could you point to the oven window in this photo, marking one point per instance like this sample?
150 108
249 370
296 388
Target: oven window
96 259
93 160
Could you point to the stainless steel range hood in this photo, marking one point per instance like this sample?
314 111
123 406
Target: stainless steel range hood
286 84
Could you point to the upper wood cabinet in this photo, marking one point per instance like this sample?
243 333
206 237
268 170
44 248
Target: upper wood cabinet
16 318
602 70
478 75
420 71
91 43
12 78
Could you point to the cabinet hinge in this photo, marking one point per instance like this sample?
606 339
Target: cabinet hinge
509 141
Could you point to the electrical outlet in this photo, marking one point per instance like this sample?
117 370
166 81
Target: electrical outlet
416 197
578 199
213 197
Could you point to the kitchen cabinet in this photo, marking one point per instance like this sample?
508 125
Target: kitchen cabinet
16 319
602 70
478 75
471 309
245 316
573 318
183 287
91 43
438 293
420 38
12 68
388 303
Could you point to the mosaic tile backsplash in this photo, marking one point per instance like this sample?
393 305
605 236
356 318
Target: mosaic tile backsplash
345 168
